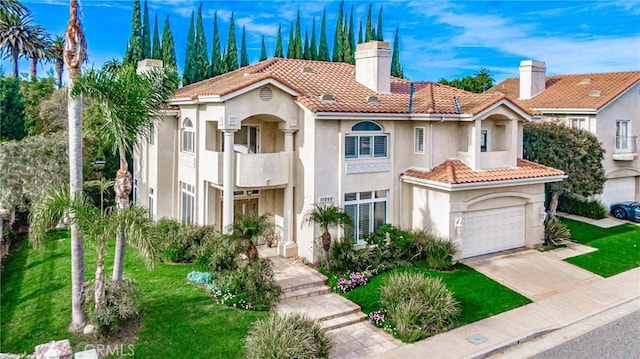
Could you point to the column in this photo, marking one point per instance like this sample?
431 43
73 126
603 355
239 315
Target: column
228 181
287 235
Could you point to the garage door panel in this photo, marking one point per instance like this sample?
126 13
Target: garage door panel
618 190
492 230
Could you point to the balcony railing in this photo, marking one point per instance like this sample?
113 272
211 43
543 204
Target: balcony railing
626 148
251 170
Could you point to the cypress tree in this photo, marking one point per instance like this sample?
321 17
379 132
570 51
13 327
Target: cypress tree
134 47
396 68
232 47
379 32
338 50
323 48
360 33
202 57
263 51
157 49
168 46
299 51
12 106
291 47
352 39
278 52
313 49
216 62
244 55
188 75
368 36
224 67
306 53
146 34
346 44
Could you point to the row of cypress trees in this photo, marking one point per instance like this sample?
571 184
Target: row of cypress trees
199 65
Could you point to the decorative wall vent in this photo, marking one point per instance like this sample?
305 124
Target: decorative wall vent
307 70
372 100
327 98
584 82
266 94
594 93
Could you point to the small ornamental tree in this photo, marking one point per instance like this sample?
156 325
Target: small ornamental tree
576 152
327 217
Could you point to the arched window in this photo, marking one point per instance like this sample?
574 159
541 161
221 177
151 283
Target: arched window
188 136
366 145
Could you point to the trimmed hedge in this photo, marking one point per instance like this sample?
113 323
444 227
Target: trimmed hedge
585 208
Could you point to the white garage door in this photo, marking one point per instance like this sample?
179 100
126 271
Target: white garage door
492 230
618 190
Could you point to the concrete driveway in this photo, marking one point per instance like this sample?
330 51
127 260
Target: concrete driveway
534 274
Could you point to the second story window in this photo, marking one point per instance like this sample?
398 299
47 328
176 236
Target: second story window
484 140
418 140
365 142
622 135
188 137
579 123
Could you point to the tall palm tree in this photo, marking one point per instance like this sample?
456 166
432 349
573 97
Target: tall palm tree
247 228
38 50
75 51
56 54
18 36
127 106
327 217
484 79
14 7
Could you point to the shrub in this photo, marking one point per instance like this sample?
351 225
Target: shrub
556 233
289 337
397 248
345 257
121 304
419 306
180 243
586 208
439 253
218 253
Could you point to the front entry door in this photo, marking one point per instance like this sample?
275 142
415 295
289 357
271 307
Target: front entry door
245 206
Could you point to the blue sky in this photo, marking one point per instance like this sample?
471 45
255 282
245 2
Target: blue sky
438 39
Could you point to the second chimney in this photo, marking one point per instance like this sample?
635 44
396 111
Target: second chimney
373 65
533 78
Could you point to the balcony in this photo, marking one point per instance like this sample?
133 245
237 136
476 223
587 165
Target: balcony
626 148
495 159
252 170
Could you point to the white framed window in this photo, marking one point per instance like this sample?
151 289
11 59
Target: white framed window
577 122
484 140
188 137
364 143
622 135
187 203
152 136
151 200
418 140
368 211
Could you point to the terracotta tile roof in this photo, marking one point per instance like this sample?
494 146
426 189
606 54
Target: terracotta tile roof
453 171
338 80
582 91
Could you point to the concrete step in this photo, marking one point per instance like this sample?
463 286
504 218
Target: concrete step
296 283
290 295
343 321
319 307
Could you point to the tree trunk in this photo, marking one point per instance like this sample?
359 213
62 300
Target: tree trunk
75 184
59 70
99 289
14 56
326 245
122 189
252 251
553 204
34 68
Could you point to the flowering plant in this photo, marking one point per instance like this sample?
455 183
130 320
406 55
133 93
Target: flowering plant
379 318
351 280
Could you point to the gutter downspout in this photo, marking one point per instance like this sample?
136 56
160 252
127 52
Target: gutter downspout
411 98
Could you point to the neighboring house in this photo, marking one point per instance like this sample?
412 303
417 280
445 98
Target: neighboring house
278 136
606 104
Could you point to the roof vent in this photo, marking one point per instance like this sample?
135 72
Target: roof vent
457 104
372 100
594 93
327 98
584 82
307 70
266 94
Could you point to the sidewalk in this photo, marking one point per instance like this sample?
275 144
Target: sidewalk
490 335
606 222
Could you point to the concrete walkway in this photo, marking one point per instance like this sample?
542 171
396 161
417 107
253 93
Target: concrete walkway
607 222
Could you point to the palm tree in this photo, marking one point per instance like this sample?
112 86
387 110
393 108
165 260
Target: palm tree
484 79
39 50
247 228
75 51
56 54
18 36
112 65
127 106
13 7
327 217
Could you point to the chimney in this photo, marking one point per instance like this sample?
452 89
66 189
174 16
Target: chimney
373 65
148 64
533 76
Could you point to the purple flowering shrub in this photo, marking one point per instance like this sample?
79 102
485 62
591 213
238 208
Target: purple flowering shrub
345 282
380 319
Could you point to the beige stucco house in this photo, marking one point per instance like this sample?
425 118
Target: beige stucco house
606 104
278 136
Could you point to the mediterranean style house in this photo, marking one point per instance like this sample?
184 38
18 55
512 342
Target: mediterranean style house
606 104
281 135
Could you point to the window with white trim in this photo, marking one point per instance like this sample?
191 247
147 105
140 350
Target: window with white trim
418 139
187 203
622 135
484 140
151 204
368 210
188 137
364 143
577 122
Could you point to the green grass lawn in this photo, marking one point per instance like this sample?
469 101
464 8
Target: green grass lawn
179 319
479 296
618 247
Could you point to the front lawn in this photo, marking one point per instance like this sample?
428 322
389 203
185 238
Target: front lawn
479 296
179 319
618 247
